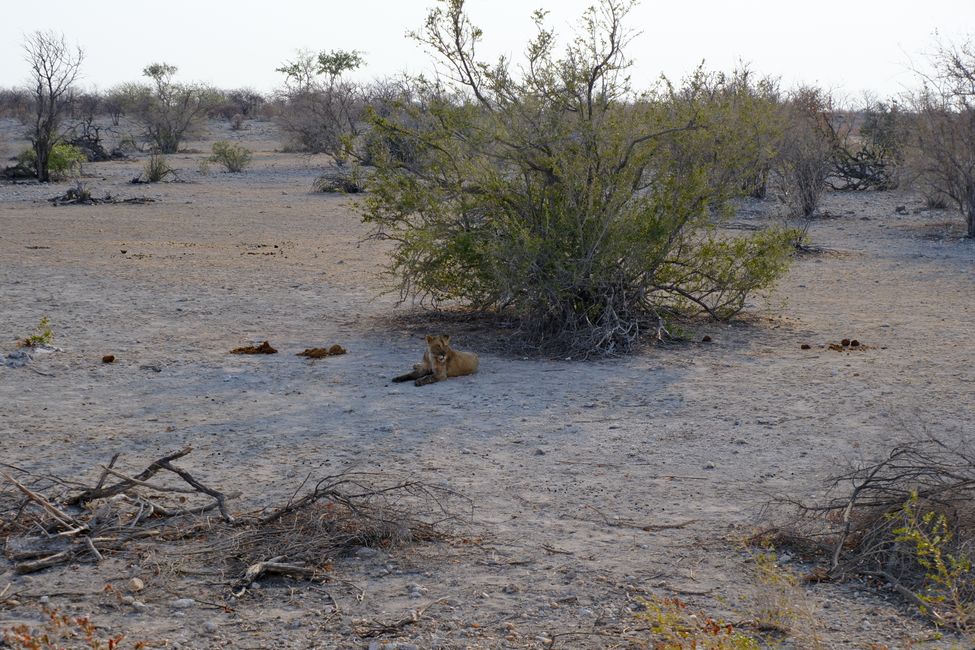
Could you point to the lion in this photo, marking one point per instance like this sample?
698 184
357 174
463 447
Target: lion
440 361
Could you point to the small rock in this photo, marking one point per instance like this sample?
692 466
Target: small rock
375 645
901 209
108 358
364 552
539 452
44 600
183 603
510 589
136 584
128 600
209 627
139 606
709 465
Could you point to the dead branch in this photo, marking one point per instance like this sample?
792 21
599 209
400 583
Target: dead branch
380 628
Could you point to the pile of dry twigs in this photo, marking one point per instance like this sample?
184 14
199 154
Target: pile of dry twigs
894 521
48 521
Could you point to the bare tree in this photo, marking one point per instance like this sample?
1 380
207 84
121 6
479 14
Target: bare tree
945 130
54 69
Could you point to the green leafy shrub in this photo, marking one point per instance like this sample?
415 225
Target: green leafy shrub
674 626
948 593
584 210
64 161
234 157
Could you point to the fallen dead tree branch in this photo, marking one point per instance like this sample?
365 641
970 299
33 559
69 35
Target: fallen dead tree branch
301 538
907 521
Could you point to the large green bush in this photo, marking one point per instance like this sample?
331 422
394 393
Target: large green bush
558 195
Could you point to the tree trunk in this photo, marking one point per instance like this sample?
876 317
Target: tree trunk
42 163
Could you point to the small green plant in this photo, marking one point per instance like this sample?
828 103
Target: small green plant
675 627
60 629
65 160
43 335
157 169
233 157
948 594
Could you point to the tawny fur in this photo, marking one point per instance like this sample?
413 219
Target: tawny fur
440 361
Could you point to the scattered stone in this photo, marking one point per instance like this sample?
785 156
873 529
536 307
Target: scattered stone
805 346
364 552
44 600
139 606
706 339
539 452
210 627
108 358
18 359
510 589
136 584
183 603
709 465
901 209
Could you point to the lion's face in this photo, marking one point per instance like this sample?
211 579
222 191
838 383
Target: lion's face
438 346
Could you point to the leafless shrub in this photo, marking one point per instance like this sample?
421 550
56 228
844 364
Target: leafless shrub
321 111
868 148
908 520
345 180
944 133
804 154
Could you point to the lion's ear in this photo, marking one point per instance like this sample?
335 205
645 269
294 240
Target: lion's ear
446 338
429 339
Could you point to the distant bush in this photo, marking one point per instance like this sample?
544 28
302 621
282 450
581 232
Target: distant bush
943 136
346 180
156 169
64 161
168 111
804 155
321 111
234 157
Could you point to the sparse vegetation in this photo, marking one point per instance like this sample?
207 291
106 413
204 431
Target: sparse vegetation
322 110
43 334
804 156
157 169
234 157
346 180
944 132
169 111
59 629
673 625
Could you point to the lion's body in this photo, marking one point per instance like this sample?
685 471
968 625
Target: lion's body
441 361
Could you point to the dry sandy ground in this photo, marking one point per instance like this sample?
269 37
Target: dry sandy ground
550 451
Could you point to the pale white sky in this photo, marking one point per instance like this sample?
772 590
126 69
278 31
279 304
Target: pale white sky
849 46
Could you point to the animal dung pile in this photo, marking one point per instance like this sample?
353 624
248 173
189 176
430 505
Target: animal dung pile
321 353
263 348
847 345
